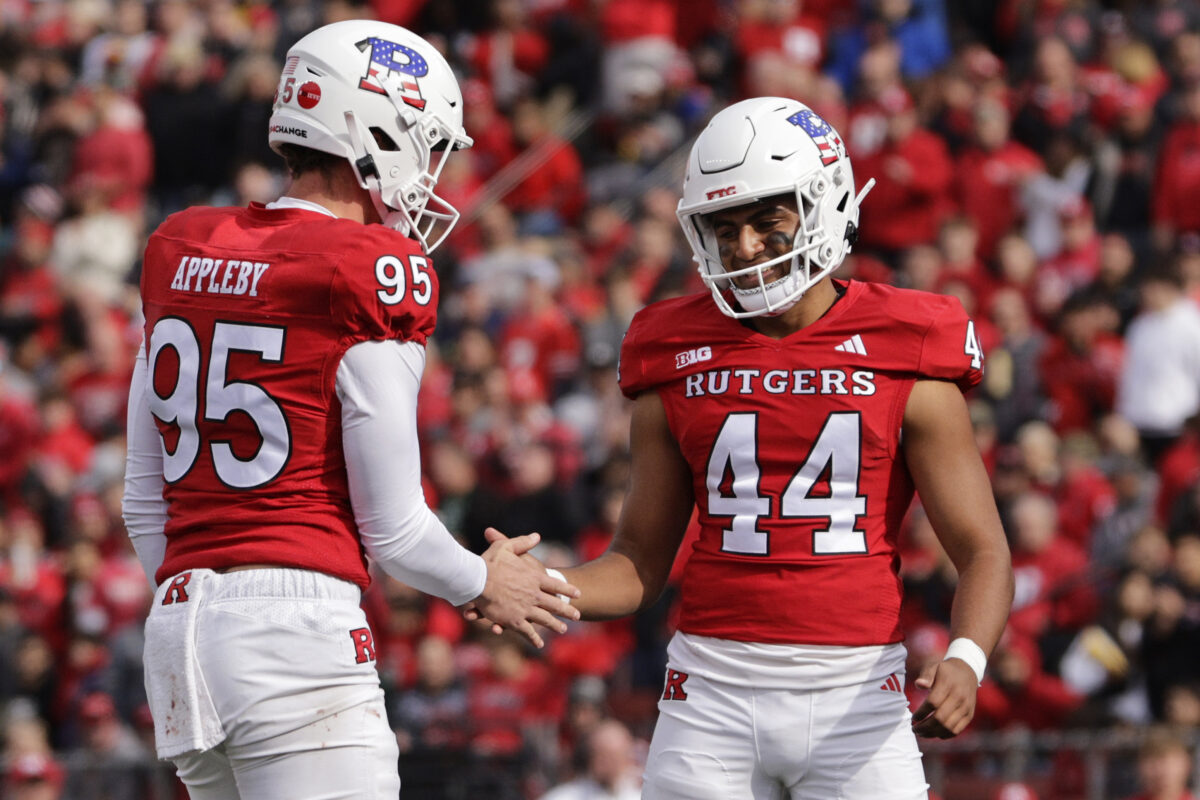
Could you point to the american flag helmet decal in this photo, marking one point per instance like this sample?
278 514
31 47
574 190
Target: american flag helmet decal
822 134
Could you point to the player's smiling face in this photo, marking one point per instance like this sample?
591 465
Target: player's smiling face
754 234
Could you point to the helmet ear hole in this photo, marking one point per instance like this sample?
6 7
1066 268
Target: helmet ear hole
385 142
841 206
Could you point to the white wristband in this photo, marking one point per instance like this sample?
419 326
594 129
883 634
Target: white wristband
969 652
553 573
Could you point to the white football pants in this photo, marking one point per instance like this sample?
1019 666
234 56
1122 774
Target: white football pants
726 740
287 659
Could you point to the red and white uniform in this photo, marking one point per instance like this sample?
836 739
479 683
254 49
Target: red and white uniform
272 421
791 594
794 449
265 328
270 318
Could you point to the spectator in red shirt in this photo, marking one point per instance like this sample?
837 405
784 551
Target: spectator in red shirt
1018 692
516 700
1179 469
494 146
63 440
508 55
541 337
1085 496
31 303
116 153
1164 765
914 174
878 75
989 173
18 436
1054 591
1081 367
1077 262
554 192
974 77
33 577
639 36
958 241
1054 100
1175 210
780 28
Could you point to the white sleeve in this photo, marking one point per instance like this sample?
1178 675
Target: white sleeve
143 506
377 383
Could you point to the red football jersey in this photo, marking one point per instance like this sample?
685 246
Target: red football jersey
248 313
794 448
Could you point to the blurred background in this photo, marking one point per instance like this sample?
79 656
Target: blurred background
1039 159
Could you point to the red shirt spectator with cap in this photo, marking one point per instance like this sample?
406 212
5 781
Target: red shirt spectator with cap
915 172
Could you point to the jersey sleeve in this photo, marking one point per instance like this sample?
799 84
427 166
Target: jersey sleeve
633 367
950 350
385 289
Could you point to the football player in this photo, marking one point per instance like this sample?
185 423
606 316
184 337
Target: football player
273 442
797 423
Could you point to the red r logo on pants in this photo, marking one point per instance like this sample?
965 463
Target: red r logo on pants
364 645
674 689
177 591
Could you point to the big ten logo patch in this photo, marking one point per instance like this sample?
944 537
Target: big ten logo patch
674 688
177 591
364 645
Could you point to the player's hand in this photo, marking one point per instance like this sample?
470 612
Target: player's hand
519 593
470 611
950 704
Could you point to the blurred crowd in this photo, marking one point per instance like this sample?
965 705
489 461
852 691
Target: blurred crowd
1039 159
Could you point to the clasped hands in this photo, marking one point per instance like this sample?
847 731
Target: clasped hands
519 593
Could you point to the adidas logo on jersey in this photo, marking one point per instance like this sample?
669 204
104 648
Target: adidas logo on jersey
892 684
853 345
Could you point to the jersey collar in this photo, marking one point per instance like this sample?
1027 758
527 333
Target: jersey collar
304 205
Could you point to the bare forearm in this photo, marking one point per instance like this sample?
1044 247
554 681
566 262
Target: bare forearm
633 571
983 598
610 586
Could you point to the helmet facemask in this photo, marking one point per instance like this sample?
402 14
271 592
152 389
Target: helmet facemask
401 176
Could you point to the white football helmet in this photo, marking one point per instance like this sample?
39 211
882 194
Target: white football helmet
760 148
386 100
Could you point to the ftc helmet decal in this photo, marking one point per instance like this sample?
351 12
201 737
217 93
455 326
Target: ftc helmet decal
388 57
822 134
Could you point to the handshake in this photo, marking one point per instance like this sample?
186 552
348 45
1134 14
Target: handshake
519 592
